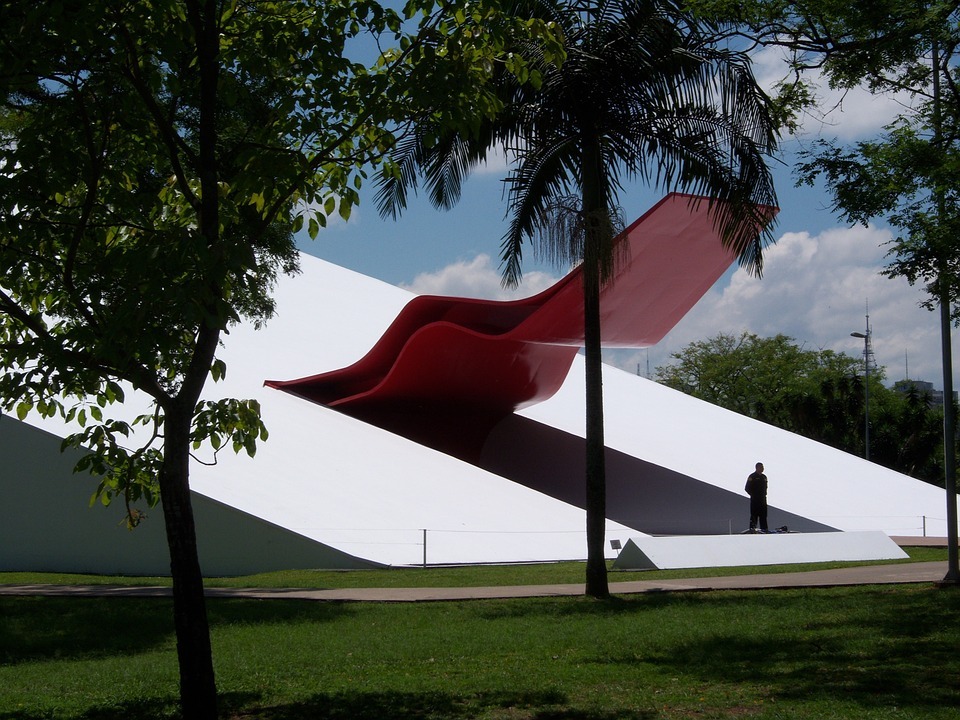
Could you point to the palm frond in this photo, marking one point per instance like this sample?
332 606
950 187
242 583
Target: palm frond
546 171
664 104
401 177
443 159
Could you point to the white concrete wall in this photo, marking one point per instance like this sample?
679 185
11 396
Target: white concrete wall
669 553
48 524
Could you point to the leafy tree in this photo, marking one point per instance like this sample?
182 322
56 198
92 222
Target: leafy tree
815 393
769 379
763 378
645 92
157 157
918 438
911 174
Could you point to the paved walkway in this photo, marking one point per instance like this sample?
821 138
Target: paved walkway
926 572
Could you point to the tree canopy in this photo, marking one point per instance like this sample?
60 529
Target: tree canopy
816 393
910 174
157 157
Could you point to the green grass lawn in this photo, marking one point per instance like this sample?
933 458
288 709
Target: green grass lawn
459 576
860 653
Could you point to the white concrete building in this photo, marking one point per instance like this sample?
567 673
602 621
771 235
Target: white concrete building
327 490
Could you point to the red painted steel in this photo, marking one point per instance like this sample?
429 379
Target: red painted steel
447 369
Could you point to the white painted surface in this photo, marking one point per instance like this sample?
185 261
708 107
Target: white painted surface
342 484
720 448
670 553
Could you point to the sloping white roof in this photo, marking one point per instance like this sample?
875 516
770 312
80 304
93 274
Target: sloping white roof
350 485
338 482
670 429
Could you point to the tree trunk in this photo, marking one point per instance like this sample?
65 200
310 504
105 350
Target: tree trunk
594 204
596 462
946 349
949 437
198 691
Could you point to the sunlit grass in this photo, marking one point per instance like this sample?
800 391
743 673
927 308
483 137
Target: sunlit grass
862 653
459 576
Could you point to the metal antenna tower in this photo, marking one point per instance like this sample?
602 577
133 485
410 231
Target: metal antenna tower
868 362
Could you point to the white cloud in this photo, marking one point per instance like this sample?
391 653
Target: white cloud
845 114
497 163
477 278
815 289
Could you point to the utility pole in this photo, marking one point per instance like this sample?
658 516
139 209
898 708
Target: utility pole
867 360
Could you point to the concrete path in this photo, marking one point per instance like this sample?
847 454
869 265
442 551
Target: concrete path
927 572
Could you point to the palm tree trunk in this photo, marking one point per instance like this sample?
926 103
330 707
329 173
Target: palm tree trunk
596 467
596 480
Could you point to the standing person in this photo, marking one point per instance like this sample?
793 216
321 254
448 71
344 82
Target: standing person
756 488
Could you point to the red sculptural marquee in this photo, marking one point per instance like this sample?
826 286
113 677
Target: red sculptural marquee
448 369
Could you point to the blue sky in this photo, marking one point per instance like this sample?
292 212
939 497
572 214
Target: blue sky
819 277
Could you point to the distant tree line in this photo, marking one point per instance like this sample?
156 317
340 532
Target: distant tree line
815 393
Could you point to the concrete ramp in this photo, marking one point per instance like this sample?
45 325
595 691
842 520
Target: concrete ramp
694 551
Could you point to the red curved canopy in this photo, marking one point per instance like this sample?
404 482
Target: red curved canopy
447 369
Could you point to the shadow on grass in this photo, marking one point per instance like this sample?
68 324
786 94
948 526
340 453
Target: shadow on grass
883 648
42 628
140 709
36 628
874 647
612 608
365 706
429 706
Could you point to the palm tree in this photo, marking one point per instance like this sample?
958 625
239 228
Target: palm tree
646 93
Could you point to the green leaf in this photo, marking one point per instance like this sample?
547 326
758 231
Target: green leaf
218 370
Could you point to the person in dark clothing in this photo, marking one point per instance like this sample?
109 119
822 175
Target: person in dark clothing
756 488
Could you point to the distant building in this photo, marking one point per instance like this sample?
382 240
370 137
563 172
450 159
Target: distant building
922 387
